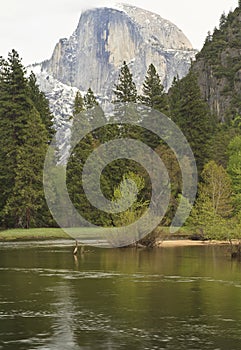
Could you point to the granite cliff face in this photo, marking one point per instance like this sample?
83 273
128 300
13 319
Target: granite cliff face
104 38
218 67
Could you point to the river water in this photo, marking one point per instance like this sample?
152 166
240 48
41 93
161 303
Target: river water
167 298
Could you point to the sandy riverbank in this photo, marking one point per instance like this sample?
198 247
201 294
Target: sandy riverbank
188 243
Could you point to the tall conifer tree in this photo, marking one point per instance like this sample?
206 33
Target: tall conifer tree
125 89
78 103
23 142
90 110
41 104
153 91
26 199
191 113
90 99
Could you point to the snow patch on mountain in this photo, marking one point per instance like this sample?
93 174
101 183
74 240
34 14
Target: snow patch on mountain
94 53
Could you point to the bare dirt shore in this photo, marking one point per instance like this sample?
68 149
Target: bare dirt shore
188 243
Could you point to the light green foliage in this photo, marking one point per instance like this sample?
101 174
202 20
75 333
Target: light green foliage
236 122
205 221
234 170
213 209
217 187
128 190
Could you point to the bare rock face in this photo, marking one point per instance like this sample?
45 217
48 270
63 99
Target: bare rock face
93 55
105 37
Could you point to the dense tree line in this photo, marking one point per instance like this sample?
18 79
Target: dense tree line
26 129
183 104
216 213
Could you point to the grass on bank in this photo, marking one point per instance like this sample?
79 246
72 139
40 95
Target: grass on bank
32 234
57 233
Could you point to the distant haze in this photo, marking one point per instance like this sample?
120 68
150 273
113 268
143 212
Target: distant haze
34 27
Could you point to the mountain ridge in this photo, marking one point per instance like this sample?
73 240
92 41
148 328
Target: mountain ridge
103 39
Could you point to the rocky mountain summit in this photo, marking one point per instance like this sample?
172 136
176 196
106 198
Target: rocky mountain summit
104 38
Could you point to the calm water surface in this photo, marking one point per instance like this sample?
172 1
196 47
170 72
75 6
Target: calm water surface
168 298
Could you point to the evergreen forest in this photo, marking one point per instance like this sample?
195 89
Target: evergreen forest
214 134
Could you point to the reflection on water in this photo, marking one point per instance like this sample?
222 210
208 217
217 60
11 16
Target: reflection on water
173 298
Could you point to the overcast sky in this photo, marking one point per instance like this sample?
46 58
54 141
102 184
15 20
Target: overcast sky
33 27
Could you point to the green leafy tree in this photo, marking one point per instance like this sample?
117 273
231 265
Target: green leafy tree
234 170
128 188
213 207
217 186
125 89
126 195
205 221
154 95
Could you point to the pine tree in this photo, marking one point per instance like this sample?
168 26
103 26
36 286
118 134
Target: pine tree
86 110
153 97
23 142
222 21
208 38
14 103
191 113
27 197
169 159
90 100
78 104
153 91
76 163
41 104
219 143
125 89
